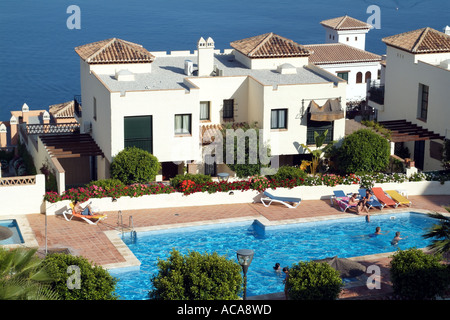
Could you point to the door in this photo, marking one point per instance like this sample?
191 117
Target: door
419 153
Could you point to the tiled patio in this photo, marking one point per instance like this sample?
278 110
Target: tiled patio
93 243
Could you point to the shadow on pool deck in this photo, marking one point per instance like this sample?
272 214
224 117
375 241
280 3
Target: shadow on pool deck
91 241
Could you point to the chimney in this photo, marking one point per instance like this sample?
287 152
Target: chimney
205 56
13 122
447 30
25 110
3 138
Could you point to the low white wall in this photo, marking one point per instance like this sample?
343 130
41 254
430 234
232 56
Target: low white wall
22 199
250 196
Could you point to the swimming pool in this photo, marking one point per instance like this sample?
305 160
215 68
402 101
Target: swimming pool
16 237
285 244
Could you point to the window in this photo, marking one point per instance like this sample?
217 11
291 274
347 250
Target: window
138 132
278 119
359 77
204 110
182 124
356 38
423 102
95 109
228 109
348 39
368 76
343 75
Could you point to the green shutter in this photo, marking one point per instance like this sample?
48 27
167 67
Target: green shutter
138 132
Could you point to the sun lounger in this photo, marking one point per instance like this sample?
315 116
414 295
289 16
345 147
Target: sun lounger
283 200
91 219
398 198
337 194
343 203
373 202
383 198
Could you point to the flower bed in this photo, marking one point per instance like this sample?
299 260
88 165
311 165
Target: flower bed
259 184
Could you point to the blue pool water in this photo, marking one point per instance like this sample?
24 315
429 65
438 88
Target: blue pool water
286 244
16 238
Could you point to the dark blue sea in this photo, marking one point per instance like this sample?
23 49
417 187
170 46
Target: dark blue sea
38 64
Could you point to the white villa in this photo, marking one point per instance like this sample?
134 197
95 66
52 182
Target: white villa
172 104
344 55
164 102
413 96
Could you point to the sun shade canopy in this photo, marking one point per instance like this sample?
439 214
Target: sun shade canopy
330 111
402 130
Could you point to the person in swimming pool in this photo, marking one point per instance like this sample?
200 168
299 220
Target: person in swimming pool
277 267
397 238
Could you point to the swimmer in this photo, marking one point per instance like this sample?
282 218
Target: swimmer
277 267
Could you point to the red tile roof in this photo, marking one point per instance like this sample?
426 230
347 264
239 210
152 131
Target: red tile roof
112 51
339 53
425 40
345 23
269 45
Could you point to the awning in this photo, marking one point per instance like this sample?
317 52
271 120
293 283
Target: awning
71 145
330 111
402 130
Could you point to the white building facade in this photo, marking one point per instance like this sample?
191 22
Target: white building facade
416 86
164 102
344 55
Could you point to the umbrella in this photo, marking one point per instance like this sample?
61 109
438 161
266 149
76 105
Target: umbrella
346 267
5 233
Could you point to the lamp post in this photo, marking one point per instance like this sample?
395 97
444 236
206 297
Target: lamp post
245 257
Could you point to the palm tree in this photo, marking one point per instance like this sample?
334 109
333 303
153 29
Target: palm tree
319 139
23 277
441 234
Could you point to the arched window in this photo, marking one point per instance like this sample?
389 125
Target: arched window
359 77
368 76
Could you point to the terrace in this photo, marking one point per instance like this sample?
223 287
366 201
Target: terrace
101 250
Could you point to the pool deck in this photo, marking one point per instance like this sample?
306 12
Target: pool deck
101 243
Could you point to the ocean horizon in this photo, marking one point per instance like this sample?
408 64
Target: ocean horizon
40 67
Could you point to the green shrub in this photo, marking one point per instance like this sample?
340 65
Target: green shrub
363 151
196 276
105 184
417 275
313 281
196 178
288 173
134 165
95 282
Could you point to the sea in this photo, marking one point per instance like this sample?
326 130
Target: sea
39 67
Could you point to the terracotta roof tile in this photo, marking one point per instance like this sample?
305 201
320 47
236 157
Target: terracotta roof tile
62 110
339 53
425 40
113 51
269 45
345 23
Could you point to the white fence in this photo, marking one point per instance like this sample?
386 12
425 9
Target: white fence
250 196
22 195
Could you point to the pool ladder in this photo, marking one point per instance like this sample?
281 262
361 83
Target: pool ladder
124 228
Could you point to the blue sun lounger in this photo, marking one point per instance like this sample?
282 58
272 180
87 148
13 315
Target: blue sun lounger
373 202
337 194
283 200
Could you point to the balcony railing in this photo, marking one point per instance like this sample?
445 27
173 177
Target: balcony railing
77 105
376 93
33 129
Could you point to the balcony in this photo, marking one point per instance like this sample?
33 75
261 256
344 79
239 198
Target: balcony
77 105
375 93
